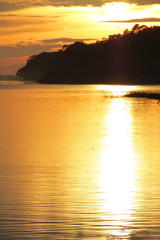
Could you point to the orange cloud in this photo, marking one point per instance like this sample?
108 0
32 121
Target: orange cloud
138 20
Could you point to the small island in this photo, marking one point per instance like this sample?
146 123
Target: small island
129 58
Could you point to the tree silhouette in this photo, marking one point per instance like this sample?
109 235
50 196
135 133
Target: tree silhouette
129 58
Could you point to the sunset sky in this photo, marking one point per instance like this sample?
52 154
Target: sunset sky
30 27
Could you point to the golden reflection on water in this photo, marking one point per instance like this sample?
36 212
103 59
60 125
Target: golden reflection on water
116 90
117 168
77 165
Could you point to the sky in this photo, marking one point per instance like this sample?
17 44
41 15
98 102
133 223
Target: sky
31 27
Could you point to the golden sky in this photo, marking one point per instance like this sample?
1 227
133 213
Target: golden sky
30 27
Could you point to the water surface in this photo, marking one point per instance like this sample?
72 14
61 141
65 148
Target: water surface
77 162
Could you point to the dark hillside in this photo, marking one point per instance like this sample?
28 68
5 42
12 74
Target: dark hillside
130 58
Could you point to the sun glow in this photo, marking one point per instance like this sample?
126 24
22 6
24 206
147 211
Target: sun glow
117 10
116 90
117 169
121 11
114 11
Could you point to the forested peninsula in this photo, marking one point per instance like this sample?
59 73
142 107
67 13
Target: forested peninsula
129 58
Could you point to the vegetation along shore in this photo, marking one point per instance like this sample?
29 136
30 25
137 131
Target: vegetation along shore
129 58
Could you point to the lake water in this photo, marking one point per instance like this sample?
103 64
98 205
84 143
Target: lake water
78 162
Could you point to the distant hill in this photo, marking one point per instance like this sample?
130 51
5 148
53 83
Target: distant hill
8 77
129 58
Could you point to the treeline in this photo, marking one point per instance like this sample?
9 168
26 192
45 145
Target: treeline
129 58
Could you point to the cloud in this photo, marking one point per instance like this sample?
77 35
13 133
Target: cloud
68 3
96 2
138 20
6 6
145 2
26 49
21 21
10 5
65 40
15 5
9 15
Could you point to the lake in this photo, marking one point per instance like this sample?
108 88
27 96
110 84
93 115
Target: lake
79 162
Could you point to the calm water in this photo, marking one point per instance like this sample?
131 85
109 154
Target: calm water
75 164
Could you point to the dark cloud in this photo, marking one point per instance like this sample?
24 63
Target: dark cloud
68 3
11 5
31 16
138 20
145 2
64 40
27 49
19 20
95 2
6 6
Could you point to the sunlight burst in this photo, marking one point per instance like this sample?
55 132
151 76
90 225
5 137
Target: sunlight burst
114 11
